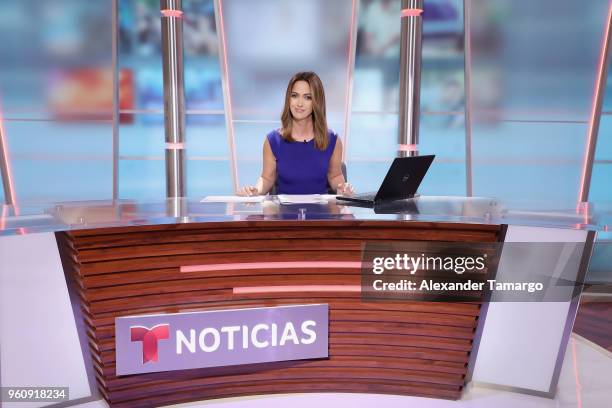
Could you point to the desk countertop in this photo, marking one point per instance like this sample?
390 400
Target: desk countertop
49 217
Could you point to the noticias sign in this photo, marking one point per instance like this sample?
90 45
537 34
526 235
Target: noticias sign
179 341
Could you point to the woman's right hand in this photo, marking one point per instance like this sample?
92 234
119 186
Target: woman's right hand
248 191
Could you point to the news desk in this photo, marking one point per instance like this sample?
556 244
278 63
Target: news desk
127 259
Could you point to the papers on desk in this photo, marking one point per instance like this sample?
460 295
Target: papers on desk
282 198
233 199
305 198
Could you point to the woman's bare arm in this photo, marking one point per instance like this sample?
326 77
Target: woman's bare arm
268 174
334 174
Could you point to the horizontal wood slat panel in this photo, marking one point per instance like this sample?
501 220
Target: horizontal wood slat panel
397 347
373 361
218 258
468 309
246 226
424 378
140 289
103 333
282 387
416 351
242 281
190 248
444 337
387 234
171 274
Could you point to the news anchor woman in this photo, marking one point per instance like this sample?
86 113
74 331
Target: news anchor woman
303 156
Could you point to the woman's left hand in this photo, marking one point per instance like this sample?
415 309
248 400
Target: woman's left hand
345 189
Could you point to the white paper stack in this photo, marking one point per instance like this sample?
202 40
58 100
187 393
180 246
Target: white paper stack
305 198
233 199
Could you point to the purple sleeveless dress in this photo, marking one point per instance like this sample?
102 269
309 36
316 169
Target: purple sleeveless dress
301 168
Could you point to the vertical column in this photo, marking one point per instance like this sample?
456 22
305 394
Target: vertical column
467 72
174 96
115 69
410 77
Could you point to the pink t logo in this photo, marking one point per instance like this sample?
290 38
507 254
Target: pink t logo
149 338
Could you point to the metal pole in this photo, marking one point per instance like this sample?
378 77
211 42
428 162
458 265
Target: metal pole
600 84
115 68
174 96
467 85
410 77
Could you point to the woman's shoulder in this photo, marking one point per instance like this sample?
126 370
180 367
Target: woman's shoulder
274 136
333 137
274 139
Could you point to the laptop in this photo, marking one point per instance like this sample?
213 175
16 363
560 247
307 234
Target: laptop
401 182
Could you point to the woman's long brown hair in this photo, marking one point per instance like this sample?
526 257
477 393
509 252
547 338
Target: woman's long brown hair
319 120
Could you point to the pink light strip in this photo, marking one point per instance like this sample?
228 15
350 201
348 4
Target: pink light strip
3 217
175 146
172 13
576 376
415 12
268 265
229 113
296 288
9 173
407 148
349 79
597 101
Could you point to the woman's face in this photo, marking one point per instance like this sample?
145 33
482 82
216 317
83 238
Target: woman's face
301 100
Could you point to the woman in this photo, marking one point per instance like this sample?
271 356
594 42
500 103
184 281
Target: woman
303 156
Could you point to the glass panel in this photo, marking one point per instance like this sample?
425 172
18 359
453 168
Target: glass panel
292 36
371 144
444 136
531 106
249 146
376 89
56 161
604 139
516 50
366 175
209 177
538 161
141 62
599 267
56 98
61 64
601 191
141 135
373 136
607 105
376 80
142 179
142 143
